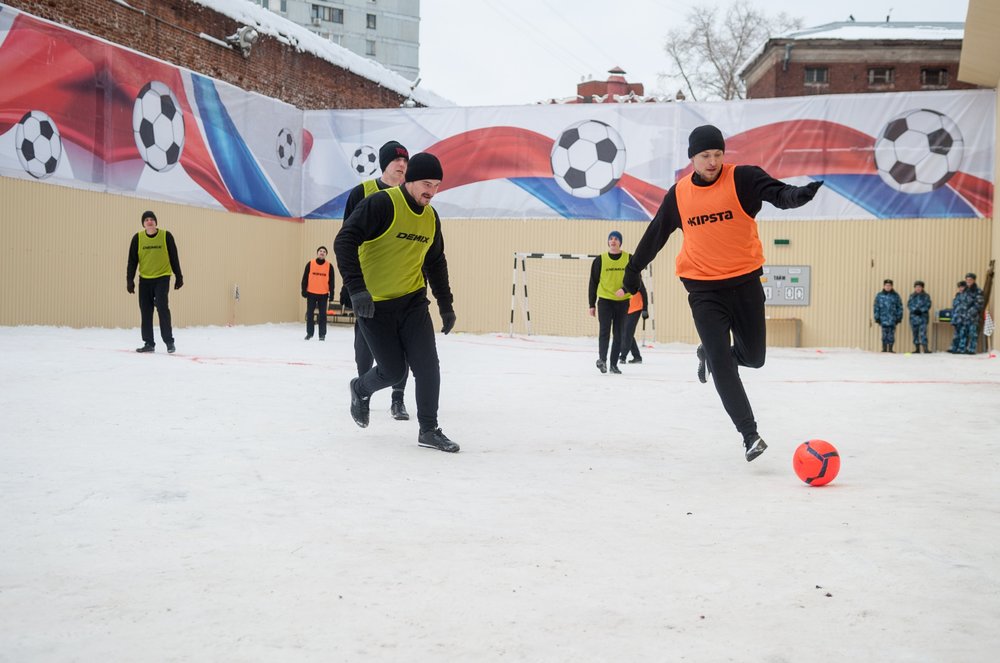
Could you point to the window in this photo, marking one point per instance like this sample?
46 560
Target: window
371 21
817 76
880 76
369 47
329 14
284 6
935 77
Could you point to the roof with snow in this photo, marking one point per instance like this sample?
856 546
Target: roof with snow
273 25
856 31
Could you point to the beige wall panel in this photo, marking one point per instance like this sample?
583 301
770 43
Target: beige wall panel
65 251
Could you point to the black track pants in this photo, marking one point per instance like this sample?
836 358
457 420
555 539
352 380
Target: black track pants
364 360
401 333
738 311
611 316
155 293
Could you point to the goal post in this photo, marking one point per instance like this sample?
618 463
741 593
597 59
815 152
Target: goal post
550 291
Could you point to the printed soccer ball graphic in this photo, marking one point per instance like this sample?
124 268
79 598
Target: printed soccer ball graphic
588 159
158 125
919 151
38 144
285 147
365 161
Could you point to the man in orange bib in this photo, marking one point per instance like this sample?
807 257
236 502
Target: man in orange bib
720 264
317 286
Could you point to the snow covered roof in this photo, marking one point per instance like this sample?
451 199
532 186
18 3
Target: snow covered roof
865 31
856 31
268 23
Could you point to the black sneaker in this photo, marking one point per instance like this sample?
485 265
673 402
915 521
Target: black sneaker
308 336
702 366
322 338
754 446
170 348
614 369
148 347
435 439
359 406
398 411
636 360
602 366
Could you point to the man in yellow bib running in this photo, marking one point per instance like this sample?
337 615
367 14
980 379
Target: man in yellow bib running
720 264
392 159
387 251
608 301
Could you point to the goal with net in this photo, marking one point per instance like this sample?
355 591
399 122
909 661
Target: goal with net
550 292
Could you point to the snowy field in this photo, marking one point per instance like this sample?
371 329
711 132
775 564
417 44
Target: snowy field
220 504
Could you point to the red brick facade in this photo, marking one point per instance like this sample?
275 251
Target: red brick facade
168 30
847 68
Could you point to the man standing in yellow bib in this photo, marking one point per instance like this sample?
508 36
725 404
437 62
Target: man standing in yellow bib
388 250
392 159
720 264
608 301
154 253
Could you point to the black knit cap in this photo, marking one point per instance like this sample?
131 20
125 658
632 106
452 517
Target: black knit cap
148 214
705 137
390 152
916 283
971 275
424 166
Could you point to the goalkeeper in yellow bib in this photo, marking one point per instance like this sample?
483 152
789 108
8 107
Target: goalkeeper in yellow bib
720 264
392 159
608 301
388 250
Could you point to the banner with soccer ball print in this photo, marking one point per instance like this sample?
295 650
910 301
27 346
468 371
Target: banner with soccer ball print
81 112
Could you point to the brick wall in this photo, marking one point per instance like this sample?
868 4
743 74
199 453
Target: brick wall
169 31
845 78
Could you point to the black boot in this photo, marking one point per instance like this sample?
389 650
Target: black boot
890 347
916 349
926 351
885 347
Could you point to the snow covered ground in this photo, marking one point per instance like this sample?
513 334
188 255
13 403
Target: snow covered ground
219 504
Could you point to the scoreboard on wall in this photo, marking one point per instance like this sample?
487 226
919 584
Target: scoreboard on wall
786 285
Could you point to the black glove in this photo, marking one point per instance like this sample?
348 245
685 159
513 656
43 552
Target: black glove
303 294
806 193
364 307
645 315
130 286
632 281
447 321
179 283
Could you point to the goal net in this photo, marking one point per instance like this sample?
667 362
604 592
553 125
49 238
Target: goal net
549 296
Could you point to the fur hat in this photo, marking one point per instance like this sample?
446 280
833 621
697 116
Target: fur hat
705 137
887 282
916 283
424 166
389 153
970 275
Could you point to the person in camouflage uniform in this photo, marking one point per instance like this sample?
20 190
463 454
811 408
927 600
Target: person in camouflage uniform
919 305
888 312
976 303
960 320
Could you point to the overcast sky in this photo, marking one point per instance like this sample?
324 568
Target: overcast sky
500 52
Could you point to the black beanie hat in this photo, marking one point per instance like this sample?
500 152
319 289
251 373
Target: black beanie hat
916 283
390 152
147 215
424 166
705 137
971 275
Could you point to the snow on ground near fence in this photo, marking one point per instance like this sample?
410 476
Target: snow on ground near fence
220 504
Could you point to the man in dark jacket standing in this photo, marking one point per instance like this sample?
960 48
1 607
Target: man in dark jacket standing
720 264
317 286
387 251
154 253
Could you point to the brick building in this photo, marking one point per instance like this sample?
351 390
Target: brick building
851 57
192 35
615 90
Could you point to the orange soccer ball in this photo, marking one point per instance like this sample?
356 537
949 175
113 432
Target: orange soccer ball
816 462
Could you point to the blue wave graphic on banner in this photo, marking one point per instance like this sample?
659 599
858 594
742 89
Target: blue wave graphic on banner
880 199
240 171
331 209
616 204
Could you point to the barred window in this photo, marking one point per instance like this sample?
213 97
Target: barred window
934 77
817 75
881 76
